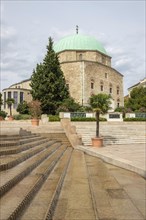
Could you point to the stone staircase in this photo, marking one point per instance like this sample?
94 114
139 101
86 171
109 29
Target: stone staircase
25 163
43 178
113 133
52 130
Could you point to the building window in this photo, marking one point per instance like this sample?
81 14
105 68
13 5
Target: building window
110 88
118 90
15 97
103 59
4 100
101 85
80 57
9 95
21 97
92 85
106 75
118 102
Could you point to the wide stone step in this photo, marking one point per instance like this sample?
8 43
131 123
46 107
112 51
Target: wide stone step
10 178
75 201
20 141
8 162
23 147
32 184
51 188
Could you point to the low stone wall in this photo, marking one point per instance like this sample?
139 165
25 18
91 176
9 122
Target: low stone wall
71 133
111 116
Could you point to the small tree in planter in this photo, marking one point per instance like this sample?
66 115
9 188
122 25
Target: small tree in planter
35 111
9 102
100 104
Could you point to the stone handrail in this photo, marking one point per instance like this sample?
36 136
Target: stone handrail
71 133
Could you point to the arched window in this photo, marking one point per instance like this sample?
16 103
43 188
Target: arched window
103 59
92 84
118 102
106 75
110 88
101 85
118 90
80 56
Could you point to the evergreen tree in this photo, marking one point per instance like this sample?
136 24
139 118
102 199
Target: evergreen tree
48 82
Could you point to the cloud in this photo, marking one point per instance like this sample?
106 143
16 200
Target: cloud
19 59
7 32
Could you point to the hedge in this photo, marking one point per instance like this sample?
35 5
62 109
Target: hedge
87 119
54 118
22 117
134 119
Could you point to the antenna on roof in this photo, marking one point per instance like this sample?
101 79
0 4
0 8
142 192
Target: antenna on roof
77 29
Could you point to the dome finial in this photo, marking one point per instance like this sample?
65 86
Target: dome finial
77 28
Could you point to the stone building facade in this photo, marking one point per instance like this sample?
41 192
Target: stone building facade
19 92
87 70
140 83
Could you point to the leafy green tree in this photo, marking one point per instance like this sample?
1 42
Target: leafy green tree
68 105
100 104
23 108
121 109
48 82
1 101
137 99
9 102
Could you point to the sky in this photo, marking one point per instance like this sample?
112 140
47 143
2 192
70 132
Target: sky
26 26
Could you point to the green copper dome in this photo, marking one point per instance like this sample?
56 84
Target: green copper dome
78 42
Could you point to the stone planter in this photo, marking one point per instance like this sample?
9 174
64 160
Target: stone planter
10 118
97 142
35 122
1 118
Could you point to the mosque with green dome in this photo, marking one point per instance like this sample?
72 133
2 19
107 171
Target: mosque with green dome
87 69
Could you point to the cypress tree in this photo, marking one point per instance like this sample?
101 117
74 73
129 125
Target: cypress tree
48 82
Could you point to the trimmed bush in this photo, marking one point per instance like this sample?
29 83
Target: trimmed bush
22 117
87 119
134 119
3 114
54 118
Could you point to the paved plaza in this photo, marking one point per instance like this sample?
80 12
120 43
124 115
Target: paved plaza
131 157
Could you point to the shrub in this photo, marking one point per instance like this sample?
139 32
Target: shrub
134 119
87 119
54 118
35 108
3 114
22 117
23 108
68 105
